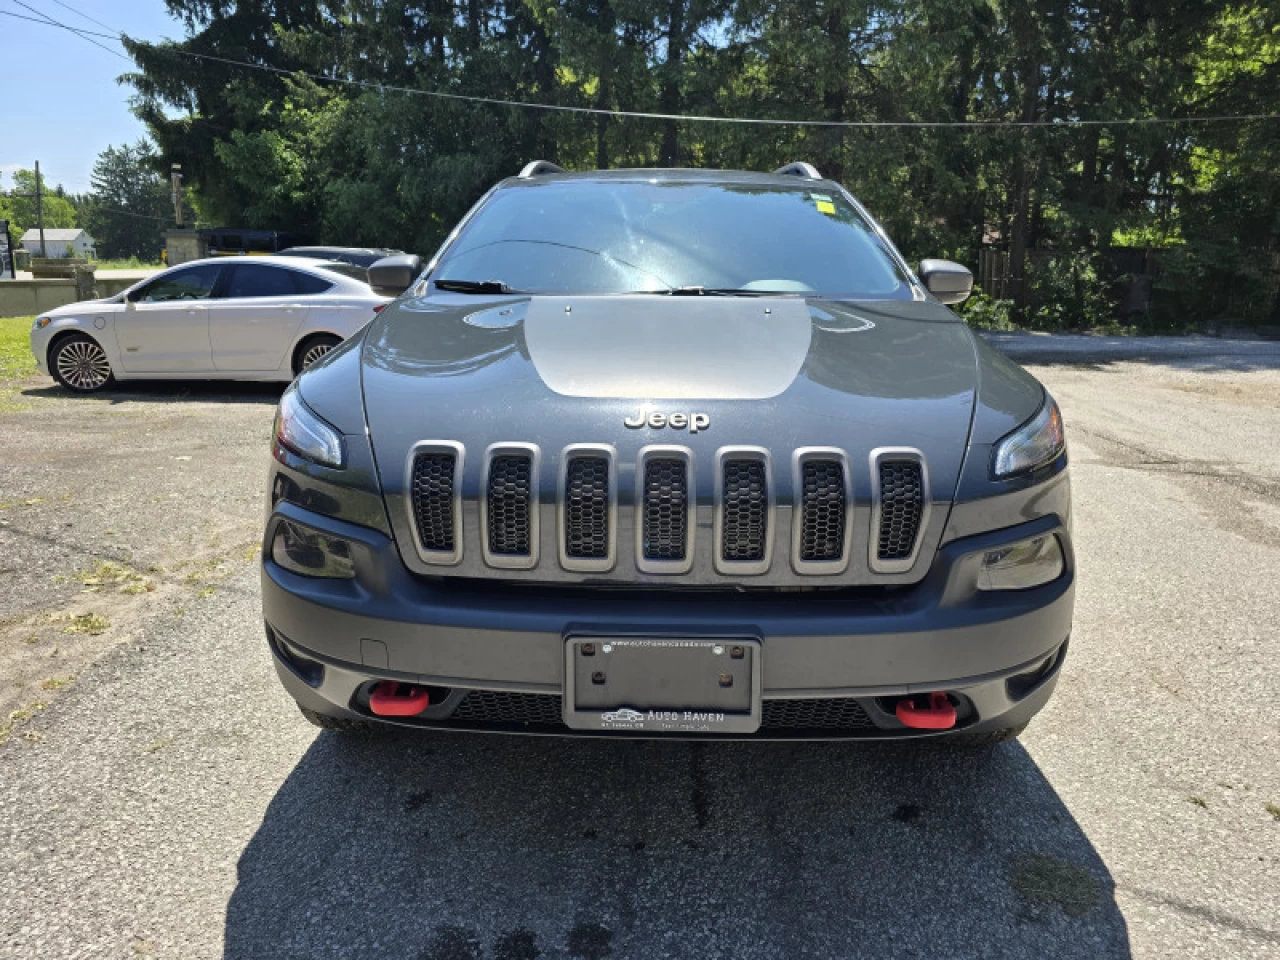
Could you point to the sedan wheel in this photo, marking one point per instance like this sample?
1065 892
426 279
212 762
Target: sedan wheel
81 364
313 350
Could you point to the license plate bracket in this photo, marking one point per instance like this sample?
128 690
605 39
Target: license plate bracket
662 685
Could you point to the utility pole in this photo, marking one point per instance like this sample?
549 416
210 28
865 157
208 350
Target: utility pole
175 174
40 210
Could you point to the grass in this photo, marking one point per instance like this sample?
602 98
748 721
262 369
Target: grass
133 263
1274 810
15 348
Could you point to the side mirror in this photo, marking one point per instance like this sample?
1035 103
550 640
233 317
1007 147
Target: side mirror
392 276
949 282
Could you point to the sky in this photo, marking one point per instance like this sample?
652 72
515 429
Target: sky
59 102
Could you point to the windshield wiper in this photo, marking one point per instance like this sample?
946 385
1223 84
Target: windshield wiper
474 286
724 292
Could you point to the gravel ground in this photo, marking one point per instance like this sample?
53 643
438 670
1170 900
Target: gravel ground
171 803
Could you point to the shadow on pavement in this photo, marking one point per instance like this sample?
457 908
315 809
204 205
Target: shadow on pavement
460 847
172 391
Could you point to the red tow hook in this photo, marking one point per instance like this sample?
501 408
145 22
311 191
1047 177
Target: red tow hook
392 699
939 715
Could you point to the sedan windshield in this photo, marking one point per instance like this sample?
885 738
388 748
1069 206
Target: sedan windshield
624 236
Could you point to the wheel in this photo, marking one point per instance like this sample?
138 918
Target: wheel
991 738
79 363
311 350
340 724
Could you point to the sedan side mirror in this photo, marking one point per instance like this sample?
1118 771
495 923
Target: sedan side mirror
392 276
949 282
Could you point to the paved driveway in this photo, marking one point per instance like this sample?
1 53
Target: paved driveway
170 802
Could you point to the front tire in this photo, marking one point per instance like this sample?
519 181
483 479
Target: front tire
79 363
312 349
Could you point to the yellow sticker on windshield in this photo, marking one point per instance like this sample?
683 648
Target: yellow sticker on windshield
825 206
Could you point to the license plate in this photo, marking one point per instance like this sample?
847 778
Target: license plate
671 685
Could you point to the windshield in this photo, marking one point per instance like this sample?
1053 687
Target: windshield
600 237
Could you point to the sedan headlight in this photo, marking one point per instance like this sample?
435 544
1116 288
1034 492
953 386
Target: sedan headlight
300 430
1022 565
1038 441
42 322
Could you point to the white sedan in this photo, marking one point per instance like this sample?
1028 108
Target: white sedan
242 318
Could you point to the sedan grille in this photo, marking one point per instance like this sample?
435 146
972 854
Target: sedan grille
901 506
433 500
586 508
822 511
510 506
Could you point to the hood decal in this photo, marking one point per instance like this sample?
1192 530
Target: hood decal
668 348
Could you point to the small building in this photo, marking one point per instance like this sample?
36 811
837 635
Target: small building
60 242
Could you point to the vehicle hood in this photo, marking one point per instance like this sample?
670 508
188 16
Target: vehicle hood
778 372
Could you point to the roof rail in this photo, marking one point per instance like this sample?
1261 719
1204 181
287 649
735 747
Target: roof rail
538 167
806 170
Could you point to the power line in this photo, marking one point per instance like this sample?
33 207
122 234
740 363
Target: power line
680 117
82 34
81 13
46 23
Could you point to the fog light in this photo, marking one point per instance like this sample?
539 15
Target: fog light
1022 565
311 553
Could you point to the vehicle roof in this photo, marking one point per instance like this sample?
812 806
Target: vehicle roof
667 175
307 246
262 258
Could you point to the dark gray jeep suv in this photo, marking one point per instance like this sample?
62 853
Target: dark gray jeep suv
669 453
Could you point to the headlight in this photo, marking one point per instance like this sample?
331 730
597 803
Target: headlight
1023 565
1038 441
300 430
311 553
42 322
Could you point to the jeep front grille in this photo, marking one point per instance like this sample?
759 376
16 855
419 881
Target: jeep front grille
745 506
587 496
822 507
434 501
901 503
509 501
743 526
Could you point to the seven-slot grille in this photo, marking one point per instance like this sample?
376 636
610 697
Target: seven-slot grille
901 506
822 506
433 500
586 508
510 505
745 506
665 506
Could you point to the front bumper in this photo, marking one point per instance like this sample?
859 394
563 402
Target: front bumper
831 663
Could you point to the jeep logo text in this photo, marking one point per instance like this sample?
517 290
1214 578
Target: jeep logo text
678 421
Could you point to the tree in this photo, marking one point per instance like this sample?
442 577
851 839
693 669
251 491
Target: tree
130 204
369 155
18 206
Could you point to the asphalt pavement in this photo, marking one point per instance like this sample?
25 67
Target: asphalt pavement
172 803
